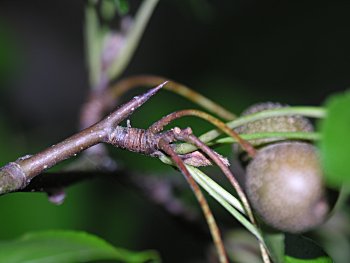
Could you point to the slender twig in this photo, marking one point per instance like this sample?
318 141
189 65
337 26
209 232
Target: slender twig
159 126
215 232
150 143
187 136
129 83
313 112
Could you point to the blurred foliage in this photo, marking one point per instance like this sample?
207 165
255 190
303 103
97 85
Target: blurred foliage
9 57
335 146
67 246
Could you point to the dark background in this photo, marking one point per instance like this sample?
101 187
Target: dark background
236 52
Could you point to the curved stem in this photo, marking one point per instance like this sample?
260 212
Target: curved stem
149 80
307 111
214 230
309 136
159 125
194 140
313 112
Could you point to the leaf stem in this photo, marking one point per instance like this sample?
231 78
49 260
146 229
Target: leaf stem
310 136
129 83
159 126
314 112
214 230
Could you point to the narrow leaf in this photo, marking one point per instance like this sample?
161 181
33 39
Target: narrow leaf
198 175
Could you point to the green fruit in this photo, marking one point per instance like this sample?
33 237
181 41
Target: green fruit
275 124
284 184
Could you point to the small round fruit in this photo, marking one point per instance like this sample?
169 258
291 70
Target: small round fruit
274 124
284 184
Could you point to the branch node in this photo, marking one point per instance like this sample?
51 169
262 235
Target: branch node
12 178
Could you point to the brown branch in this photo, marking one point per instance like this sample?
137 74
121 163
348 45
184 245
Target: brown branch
16 175
101 100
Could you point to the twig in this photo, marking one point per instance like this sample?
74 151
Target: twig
189 137
215 232
17 175
313 112
159 126
129 83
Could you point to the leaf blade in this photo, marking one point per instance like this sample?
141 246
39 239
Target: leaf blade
335 147
66 246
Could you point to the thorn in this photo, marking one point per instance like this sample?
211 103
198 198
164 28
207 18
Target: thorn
128 108
153 91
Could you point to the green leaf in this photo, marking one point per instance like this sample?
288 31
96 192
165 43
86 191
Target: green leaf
335 143
316 260
228 201
299 249
66 246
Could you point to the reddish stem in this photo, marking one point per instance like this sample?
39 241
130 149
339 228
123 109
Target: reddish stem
190 138
148 80
214 230
159 126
